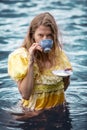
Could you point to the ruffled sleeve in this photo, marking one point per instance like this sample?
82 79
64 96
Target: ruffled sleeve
18 64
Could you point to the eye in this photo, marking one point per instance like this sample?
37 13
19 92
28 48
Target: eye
41 35
49 35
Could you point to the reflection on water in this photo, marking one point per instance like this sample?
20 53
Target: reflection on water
53 119
71 16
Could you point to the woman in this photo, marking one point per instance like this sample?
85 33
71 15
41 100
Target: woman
32 68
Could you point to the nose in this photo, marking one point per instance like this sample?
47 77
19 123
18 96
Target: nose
44 37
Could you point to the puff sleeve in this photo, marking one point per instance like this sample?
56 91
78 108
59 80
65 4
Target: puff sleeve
18 64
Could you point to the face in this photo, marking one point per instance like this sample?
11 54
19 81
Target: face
41 33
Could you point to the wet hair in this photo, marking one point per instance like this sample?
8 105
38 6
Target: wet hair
44 19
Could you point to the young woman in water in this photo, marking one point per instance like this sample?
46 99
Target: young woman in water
32 68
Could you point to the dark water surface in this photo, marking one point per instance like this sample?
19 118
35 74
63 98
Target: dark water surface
71 16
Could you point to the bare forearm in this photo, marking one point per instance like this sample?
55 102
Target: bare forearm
26 85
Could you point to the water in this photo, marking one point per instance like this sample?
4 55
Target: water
71 16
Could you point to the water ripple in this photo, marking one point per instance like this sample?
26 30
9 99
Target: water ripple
71 16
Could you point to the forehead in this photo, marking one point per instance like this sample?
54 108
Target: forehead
43 29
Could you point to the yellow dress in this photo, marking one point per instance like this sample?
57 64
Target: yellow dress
48 89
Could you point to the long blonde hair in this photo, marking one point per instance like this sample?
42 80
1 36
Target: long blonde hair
45 19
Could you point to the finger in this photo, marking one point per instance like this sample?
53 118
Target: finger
35 44
39 48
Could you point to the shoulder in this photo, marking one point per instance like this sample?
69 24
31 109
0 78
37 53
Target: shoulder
64 57
63 60
19 56
20 52
18 63
61 54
